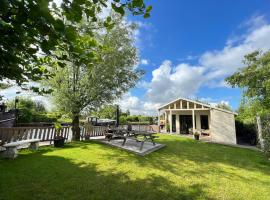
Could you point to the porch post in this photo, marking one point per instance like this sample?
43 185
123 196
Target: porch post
193 121
170 121
158 120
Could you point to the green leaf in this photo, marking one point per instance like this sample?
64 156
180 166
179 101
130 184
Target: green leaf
119 9
146 15
61 64
148 9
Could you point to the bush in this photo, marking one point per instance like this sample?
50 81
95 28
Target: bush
123 120
45 118
246 132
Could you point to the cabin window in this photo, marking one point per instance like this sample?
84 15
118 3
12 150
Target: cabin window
204 122
173 123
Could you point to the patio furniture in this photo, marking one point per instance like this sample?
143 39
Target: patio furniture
205 132
124 134
112 134
11 148
142 137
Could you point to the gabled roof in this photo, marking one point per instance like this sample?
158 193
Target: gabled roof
199 103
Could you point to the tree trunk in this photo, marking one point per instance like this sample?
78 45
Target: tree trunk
75 128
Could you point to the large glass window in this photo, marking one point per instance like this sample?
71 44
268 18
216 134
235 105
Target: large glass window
204 122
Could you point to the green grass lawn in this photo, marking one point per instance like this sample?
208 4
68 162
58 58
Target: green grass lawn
184 169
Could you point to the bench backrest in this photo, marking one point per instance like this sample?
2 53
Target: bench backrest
15 134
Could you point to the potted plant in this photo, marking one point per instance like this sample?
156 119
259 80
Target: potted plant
168 127
196 135
59 140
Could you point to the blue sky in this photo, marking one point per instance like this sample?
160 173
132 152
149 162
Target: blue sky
188 47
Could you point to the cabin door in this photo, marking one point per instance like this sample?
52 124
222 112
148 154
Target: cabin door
185 123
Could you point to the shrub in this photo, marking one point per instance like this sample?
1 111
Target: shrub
168 127
246 132
123 120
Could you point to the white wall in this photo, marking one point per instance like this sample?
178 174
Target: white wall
223 127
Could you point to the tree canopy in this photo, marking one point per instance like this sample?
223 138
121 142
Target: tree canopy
31 28
254 78
224 106
90 80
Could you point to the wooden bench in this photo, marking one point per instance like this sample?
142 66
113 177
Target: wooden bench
11 148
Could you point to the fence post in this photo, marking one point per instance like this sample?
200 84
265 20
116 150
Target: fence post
259 126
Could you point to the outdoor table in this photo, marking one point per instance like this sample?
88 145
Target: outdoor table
146 136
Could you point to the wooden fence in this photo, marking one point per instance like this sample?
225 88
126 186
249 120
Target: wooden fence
24 133
92 131
48 133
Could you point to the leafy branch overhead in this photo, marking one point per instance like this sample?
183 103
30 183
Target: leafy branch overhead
254 78
31 29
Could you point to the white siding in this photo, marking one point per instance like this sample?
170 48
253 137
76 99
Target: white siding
223 127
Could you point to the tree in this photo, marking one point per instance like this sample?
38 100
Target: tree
128 112
224 106
254 78
29 110
107 112
31 28
89 79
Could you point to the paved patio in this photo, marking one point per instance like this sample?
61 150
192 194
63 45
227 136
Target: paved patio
133 146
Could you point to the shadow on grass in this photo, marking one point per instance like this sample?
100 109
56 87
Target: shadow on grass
37 175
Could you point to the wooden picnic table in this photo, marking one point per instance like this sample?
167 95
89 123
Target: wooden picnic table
139 136
142 137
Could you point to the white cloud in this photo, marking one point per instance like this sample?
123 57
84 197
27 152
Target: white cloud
221 63
171 82
137 106
184 80
144 62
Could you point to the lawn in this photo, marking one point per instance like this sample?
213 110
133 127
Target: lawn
184 169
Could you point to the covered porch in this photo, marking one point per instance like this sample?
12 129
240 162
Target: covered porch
185 117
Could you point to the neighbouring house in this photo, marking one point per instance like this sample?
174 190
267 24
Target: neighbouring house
186 116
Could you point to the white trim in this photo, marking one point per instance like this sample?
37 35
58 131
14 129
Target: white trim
193 121
170 121
196 102
185 109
